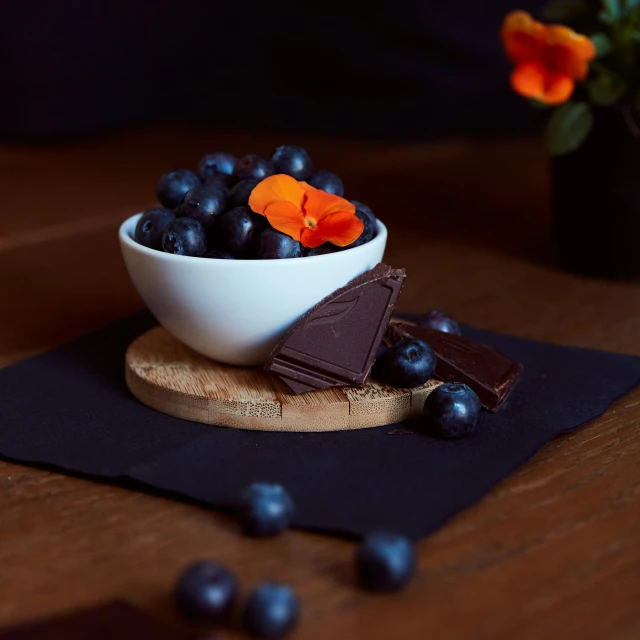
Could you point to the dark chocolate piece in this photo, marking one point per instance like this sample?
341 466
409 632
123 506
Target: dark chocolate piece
336 343
490 373
112 621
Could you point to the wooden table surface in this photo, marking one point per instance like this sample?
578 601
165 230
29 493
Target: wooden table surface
552 552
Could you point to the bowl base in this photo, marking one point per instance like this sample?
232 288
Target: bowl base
167 376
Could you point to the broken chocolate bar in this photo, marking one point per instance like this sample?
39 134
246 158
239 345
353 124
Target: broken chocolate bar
490 373
336 343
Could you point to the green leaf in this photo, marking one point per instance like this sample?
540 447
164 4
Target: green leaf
630 6
537 104
602 44
613 8
563 10
606 88
568 127
605 17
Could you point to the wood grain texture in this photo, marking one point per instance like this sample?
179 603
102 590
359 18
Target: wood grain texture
169 377
552 553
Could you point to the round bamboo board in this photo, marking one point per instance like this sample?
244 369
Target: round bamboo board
166 375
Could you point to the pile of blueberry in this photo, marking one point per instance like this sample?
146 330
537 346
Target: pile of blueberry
207 592
207 214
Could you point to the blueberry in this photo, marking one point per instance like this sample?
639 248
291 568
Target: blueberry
252 167
173 186
206 592
265 509
239 194
203 203
237 231
440 321
407 363
292 160
327 181
363 207
452 410
220 180
273 245
218 255
151 225
322 250
184 237
369 228
385 561
216 163
271 611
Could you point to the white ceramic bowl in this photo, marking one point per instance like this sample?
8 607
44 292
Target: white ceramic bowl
235 311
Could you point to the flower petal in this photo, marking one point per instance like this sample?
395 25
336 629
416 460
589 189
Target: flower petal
285 217
276 188
558 88
568 52
527 79
532 80
340 228
311 238
522 36
318 204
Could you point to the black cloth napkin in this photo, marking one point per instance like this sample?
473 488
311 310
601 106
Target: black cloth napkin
69 409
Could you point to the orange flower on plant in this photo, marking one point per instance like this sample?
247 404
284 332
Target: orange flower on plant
548 58
308 215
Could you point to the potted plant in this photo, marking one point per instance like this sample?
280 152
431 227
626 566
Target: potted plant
586 71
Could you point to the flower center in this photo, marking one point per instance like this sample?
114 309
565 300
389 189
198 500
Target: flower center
310 222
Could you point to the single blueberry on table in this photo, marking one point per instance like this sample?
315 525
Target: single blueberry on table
218 255
369 230
293 160
239 194
206 592
440 321
151 225
203 203
385 561
219 162
323 250
452 410
407 363
327 181
265 509
252 167
184 237
272 610
173 186
237 230
274 245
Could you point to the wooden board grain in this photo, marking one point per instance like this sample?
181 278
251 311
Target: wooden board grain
169 377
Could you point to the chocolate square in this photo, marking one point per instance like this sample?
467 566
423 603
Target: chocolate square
336 343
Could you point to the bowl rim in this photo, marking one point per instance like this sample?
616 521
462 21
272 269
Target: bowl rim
127 228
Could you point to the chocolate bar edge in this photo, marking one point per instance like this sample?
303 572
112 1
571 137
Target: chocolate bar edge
491 398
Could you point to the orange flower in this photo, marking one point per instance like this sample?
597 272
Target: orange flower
548 58
308 215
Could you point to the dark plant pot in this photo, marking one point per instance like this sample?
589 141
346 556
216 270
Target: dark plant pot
596 200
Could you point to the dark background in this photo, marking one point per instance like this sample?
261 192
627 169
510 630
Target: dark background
393 68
